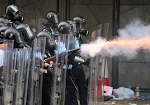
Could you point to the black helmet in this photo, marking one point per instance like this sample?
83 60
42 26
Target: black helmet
52 18
26 31
73 25
50 45
13 34
2 24
3 20
12 13
80 23
2 30
64 27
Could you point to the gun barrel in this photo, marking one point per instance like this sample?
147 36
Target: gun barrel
53 57
74 50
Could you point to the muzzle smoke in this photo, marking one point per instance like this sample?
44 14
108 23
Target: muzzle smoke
133 37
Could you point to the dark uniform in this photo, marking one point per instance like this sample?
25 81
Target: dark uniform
50 21
46 90
70 89
81 83
79 73
47 77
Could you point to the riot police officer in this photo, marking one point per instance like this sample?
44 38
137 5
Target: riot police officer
29 36
12 14
79 74
51 22
63 29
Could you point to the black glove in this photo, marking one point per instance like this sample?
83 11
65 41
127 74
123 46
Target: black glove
87 62
50 69
71 57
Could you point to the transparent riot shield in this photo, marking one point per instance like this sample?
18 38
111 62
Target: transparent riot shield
97 71
21 69
10 75
30 87
20 75
73 43
40 51
2 74
26 73
104 33
6 74
92 90
34 92
57 94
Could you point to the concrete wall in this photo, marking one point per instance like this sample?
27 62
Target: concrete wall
36 10
135 72
3 4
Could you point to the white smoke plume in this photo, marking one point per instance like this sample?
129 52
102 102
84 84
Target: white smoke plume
133 37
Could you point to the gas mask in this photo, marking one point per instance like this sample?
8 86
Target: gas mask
83 31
